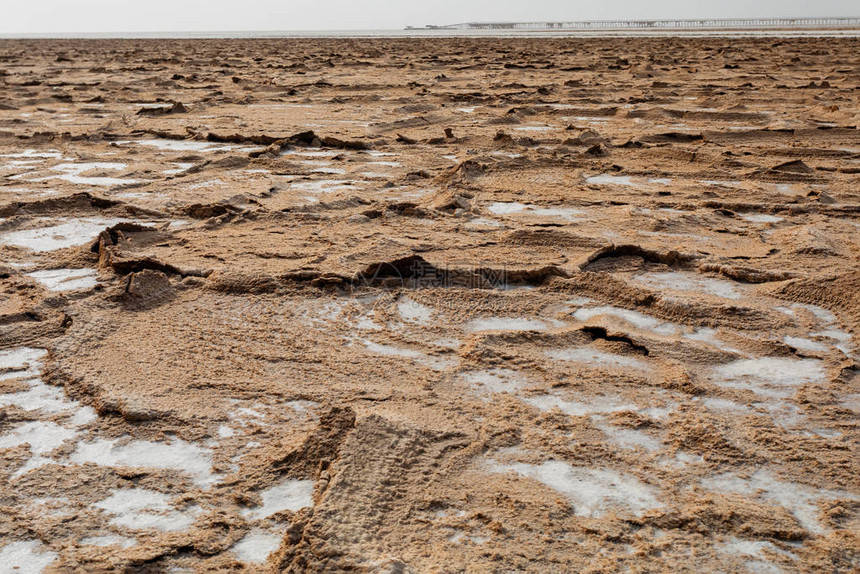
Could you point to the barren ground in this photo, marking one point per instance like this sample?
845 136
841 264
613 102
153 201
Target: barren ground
259 311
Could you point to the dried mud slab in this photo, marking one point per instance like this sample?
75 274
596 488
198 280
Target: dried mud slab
450 305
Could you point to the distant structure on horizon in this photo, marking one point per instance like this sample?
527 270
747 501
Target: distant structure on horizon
717 24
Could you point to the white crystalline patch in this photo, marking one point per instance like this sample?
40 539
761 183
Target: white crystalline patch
65 279
206 184
597 358
316 152
502 208
842 340
329 170
46 398
72 172
413 311
534 128
714 404
852 402
45 154
484 222
563 212
141 509
596 404
773 377
820 313
495 380
256 546
682 460
290 495
679 281
709 336
800 500
69 234
752 548
20 358
607 179
635 318
177 455
440 363
805 344
593 492
179 169
25 557
506 324
109 540
184 145
631 438
42 437
323 186
58 507
761 218
391 351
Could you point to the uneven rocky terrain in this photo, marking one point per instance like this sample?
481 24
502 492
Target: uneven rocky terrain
430 305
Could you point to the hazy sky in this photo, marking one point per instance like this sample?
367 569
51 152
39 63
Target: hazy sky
74 16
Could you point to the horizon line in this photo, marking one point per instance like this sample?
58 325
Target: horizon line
579 26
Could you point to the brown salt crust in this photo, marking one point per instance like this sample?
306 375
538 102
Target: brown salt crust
509 304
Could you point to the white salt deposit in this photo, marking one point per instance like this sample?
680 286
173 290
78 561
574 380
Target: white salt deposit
495 380
500 208
413 311
290 495
184 145
761 218
142 509
805 344
179 169
593 492
21 358
42 438
176 455
595 404
256 546
509 208
71 233
798 499
680 281
48 399
25 557
45 154
607 179
392 351
775 377
852 402
631 439
597 358
66 279
637 319
716 404
109 540
72 172
506 324
323 186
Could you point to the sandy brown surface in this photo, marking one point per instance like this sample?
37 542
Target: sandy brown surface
605 324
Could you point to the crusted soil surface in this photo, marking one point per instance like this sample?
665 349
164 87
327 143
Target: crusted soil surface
437 305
